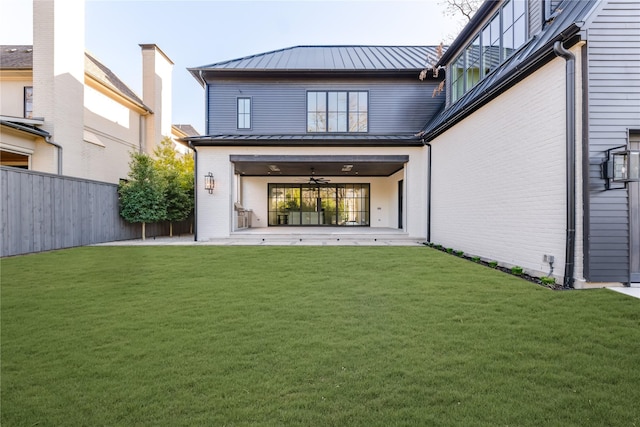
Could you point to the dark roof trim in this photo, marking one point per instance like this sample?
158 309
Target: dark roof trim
25 128
319 159
304 140
540 57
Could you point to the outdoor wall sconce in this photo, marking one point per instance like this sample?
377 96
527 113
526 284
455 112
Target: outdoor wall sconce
209 182
621 166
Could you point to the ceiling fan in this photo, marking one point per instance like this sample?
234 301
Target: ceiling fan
315 180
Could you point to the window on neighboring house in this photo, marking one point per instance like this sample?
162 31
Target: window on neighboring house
28 102
244 113
337 111
493 44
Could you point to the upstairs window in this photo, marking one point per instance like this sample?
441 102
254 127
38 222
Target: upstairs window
337 111
28 102
244 113
494 44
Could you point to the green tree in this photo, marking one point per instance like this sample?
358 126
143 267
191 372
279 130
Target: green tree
142 196
178 177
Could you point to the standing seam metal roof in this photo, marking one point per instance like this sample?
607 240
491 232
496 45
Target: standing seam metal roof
334 58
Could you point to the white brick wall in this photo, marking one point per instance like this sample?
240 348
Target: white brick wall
499 176
215 212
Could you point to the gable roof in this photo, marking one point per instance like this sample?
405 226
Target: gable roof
105 76
565 27
20 57
348 58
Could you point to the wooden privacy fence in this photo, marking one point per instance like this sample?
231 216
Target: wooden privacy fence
41 212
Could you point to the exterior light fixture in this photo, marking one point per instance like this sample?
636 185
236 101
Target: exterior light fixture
621 166
209 182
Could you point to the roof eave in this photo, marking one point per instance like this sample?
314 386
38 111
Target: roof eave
258 141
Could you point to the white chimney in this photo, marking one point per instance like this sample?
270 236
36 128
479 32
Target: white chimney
58 79
157 71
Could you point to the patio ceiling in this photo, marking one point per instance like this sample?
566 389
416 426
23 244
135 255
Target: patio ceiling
318 165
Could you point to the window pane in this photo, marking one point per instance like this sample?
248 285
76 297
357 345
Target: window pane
311 101
358 111
321 122
519 32
321 101
457 82
507 15
342 122
337 105
507 43
473 63
342 101
244 113
363 101
518 8
362 122
28 102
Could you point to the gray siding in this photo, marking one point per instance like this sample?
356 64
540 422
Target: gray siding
613 50
41 212
279 107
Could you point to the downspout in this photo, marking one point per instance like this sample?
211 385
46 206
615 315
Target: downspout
570 97
195 191
48 140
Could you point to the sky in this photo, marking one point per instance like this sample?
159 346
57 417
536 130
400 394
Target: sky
195 33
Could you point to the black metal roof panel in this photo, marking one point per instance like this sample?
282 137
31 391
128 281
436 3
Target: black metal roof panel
332 58
537 51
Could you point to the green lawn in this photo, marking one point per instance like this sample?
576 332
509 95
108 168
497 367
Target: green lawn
345 336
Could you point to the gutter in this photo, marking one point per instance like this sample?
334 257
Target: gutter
48 140
570 98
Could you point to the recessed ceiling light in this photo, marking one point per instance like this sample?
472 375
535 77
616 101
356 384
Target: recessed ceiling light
274 168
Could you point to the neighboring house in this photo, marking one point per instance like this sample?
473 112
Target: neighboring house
506 163
178 133
63 111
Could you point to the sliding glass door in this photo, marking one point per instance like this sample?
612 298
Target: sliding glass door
325 204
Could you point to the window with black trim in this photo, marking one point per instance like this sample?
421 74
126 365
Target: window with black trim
244 113
498 40
28 102
337 111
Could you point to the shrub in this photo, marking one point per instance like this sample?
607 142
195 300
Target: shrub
475 259
493 264
459 253
449 250
517 270
546 280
